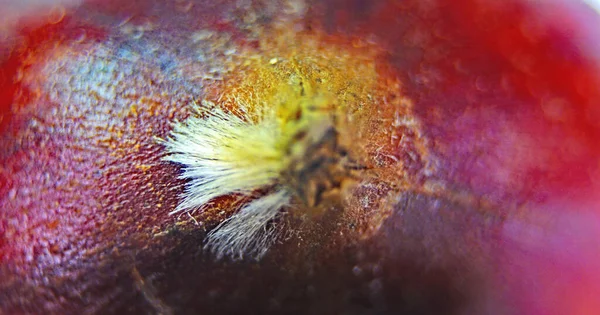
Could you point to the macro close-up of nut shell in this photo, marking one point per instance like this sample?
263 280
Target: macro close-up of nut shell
299 157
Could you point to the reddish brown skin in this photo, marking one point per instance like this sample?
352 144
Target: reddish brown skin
81 229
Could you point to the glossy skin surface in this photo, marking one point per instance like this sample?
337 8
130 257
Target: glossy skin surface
504 221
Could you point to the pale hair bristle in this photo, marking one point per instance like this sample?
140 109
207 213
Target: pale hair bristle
225 153
246 233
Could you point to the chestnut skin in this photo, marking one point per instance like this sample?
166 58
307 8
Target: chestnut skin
507 94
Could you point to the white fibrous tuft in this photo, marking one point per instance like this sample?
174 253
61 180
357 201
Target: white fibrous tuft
246 233
225 153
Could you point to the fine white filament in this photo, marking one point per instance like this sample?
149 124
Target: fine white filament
225 153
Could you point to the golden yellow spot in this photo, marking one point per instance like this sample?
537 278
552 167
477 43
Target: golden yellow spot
143 167
133 110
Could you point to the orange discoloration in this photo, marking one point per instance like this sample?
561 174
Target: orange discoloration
345 75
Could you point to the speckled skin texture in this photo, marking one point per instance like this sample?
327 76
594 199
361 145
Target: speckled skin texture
507 119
